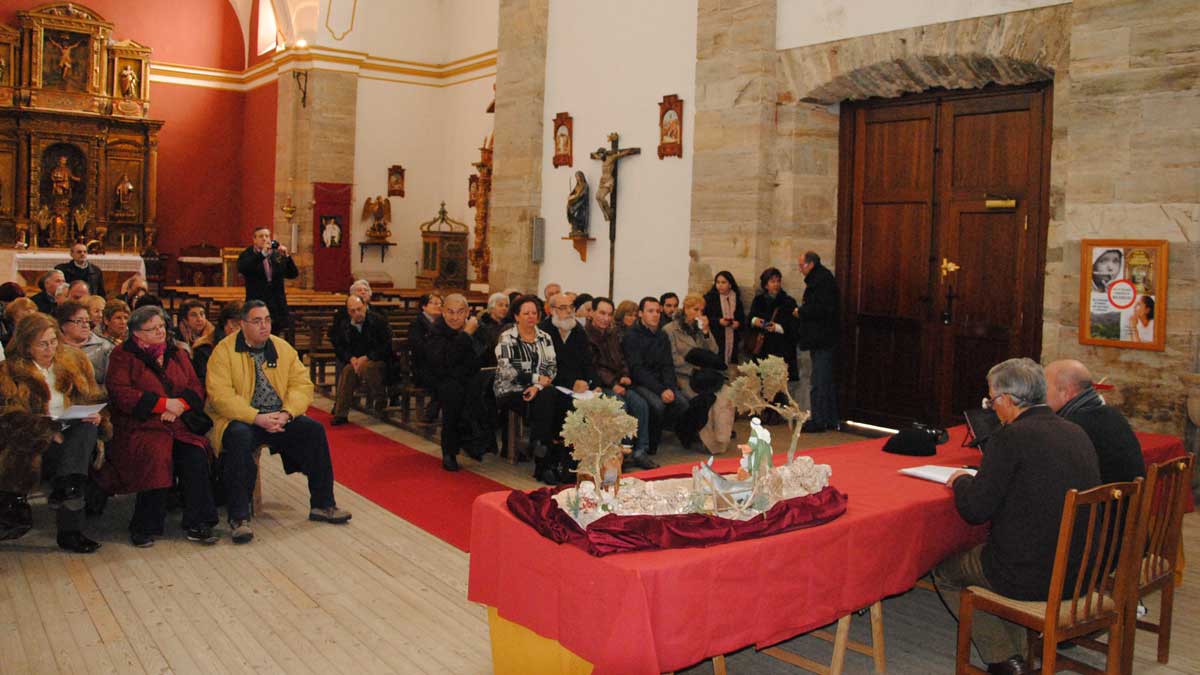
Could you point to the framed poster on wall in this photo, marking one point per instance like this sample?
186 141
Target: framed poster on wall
1123 293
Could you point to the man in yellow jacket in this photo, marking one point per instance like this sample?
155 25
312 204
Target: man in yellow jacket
258 392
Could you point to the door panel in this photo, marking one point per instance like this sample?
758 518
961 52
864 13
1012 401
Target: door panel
930 185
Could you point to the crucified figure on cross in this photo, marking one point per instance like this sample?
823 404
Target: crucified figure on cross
608 175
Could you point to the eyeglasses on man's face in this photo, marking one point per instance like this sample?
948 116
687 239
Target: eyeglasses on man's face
259 321
989 403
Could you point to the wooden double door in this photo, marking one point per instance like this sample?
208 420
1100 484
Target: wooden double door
941 248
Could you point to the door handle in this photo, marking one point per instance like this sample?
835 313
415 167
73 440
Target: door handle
948 314
948 267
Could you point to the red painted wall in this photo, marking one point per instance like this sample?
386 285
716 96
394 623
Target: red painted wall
258 160
216 155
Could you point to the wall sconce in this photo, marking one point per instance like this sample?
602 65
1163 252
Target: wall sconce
301 78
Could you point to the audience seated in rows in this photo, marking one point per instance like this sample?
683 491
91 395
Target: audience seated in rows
114 326
625 316
575 370
95 307
362 344
492 322
14 311
228 323
76 327
78 291
652 368
258 393
583 308
525 366
41 377
193 324
50 284
133 288
453 358
614 377
431 309
79 268
154 398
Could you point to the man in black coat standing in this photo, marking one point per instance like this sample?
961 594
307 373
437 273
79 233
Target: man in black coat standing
264 266
1070 394
1021 485
652 368
79 268
818 334
453 359
362 343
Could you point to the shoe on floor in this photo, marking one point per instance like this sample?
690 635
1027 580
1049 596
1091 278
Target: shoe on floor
242 533
1012 666
338 421
329 514
449 463
76 542
141 540
202 535
641 461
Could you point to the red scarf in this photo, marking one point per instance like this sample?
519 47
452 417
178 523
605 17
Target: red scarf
155 351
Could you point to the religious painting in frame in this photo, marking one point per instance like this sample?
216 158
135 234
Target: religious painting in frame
670 127
1123 293
395 181
564 135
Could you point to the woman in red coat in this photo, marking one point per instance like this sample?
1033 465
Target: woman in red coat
151 384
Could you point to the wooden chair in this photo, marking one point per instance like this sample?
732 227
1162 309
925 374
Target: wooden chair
841 641
1086 606
1161 520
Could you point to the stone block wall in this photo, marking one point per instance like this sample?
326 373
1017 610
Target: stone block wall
517 173
733 171
315 144
1132 170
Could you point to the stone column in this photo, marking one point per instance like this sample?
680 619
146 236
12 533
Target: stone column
733 177
517 174
314 144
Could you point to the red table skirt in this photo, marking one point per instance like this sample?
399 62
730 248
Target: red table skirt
656 611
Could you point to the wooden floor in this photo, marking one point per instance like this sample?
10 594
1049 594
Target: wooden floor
377 595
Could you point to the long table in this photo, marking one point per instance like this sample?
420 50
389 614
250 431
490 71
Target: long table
658 611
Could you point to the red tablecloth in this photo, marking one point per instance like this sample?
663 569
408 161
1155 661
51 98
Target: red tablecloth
657 611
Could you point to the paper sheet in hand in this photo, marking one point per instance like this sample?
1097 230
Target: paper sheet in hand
582 395
78 412
933 472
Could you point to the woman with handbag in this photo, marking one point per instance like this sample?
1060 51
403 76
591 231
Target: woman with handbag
773 326
723 307
159 428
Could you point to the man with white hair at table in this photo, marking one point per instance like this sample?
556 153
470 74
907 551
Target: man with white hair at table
1021 485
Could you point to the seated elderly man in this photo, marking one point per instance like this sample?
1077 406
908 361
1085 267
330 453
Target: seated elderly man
576 369
363 346
49 283
1021 485
614 377
1070 394
258 392
647 350
453 357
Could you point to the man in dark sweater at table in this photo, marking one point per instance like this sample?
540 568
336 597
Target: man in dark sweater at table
1070 393
1029 466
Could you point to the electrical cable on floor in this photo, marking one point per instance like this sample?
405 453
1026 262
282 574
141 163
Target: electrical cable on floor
933 580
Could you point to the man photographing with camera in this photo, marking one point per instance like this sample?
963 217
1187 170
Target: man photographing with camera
264 265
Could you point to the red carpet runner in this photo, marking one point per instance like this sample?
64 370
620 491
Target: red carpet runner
407 482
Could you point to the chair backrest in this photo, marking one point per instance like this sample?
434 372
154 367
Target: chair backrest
1163 503
1094 520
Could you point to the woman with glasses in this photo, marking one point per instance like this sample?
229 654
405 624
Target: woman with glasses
157 404
76 326
39 381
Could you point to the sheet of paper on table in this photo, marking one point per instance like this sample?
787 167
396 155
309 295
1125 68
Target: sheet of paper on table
581 395
933 472
78 412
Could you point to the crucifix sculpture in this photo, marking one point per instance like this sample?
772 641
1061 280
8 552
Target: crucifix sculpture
606 194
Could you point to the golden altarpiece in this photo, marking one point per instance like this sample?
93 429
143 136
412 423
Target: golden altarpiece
78 153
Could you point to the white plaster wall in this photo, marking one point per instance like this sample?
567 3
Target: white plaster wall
808 22
608 64
433 132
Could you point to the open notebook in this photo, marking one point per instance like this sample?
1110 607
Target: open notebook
933 472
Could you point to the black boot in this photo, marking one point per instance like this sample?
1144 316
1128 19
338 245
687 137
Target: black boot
16 518
76 542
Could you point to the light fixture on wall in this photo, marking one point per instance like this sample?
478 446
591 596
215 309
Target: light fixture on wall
301 78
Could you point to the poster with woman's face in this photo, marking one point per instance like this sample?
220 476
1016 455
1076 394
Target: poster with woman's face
1122 298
